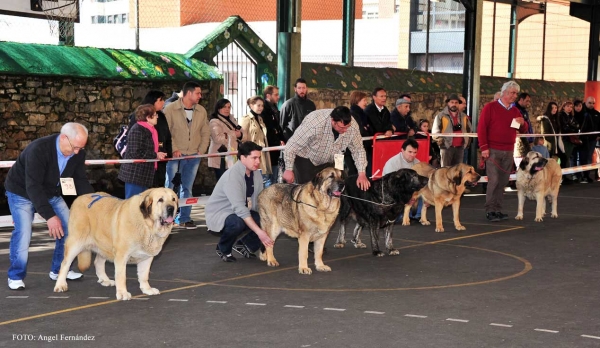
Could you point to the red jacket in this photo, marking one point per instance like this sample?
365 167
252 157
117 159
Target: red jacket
493 129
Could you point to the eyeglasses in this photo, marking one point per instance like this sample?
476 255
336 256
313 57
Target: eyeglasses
74 148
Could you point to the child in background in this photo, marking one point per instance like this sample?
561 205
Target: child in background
540 147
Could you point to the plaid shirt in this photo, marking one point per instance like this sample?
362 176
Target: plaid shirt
314 140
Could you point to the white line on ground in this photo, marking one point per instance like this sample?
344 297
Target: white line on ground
293 306
546 330
216 301
458 320
373 312
255 304
58 296
17 296
588 336
415 316
501 325
97 298
178 300
334 309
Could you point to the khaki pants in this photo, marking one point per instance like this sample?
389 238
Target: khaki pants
498 167
452 156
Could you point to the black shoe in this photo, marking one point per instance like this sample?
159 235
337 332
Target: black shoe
190 225
492 216
501 216
225 258
241 249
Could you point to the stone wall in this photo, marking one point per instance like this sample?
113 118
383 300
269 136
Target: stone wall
33 107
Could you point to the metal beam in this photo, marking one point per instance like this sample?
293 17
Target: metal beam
289 14
348 33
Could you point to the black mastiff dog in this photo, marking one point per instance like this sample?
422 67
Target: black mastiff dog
377 207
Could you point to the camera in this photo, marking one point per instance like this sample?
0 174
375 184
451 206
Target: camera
238 127
456 127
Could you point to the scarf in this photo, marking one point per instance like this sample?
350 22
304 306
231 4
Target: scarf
152 130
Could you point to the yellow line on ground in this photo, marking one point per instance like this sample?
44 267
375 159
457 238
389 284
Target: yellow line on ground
526 269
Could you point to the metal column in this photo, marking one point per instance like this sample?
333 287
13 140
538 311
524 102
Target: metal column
289 14
348 33
512 42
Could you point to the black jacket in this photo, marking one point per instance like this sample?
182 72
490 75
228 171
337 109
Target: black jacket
379 120
292 114
590 122
402 124
270 117
35 175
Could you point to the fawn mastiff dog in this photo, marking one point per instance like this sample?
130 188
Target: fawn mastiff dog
306 212
121 231
538 179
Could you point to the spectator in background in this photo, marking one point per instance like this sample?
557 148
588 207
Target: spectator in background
190 135
358 103
142 143
451 121
567 124
549 126
378 114
254 129
401 117
434 150
538 146
590 123
462 107
225 133
295 109
272 121
497 95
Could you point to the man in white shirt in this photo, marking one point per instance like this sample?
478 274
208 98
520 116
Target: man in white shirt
406 159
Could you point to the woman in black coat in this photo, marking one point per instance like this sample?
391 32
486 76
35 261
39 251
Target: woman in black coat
142 143
358 103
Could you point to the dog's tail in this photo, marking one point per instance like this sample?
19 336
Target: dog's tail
84 260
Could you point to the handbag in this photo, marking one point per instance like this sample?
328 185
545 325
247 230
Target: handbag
574 139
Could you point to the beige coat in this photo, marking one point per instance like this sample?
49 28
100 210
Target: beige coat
220 133
254 130
189 140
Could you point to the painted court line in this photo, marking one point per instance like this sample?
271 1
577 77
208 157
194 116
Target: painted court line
373 312
97 298
588 336
292 306
415 316
141 299
545 330
501 325
216 301
58 296
458 320
17 296
178 300
255 304
335 309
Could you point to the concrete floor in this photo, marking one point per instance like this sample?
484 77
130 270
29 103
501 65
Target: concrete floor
507 284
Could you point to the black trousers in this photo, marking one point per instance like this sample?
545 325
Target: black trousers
305 171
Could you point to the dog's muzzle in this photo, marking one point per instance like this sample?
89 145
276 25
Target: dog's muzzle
170 213
337 192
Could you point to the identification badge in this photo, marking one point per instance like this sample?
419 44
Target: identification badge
339 161
514 124
68 186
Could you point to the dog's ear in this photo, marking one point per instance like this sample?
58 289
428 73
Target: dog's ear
458 178
317 179
524 163
146 206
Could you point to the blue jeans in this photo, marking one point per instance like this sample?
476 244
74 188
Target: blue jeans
416 215
133 189
22 211
275 170
188 169
235 227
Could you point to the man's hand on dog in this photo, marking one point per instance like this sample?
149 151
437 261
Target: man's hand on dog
265 239
288 176
363 182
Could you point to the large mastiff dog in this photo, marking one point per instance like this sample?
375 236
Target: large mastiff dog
306 212
446 186
538 178
377 207
121 231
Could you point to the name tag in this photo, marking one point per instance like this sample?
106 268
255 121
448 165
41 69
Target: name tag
68 186
339 161
514 124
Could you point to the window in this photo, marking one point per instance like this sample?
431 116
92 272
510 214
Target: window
116 19
124 18
94 20
101 19
109 19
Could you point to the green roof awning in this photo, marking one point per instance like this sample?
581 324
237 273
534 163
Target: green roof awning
90 62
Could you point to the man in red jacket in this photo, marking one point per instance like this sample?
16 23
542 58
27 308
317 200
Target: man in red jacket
497 130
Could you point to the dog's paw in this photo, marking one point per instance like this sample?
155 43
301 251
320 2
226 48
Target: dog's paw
150 291
359 245
273 263
460 228
106 282
262 256
554 216
62 287
306 270
378 253
394 252
123 295
425 222
439 229
323 268
339 245
538 219
519 217
406 223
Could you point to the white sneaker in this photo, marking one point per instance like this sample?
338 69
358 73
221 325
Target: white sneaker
70 276
16 284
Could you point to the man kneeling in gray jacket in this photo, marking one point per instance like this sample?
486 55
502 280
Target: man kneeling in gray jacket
231 208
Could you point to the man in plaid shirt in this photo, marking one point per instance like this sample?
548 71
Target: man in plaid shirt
323 134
